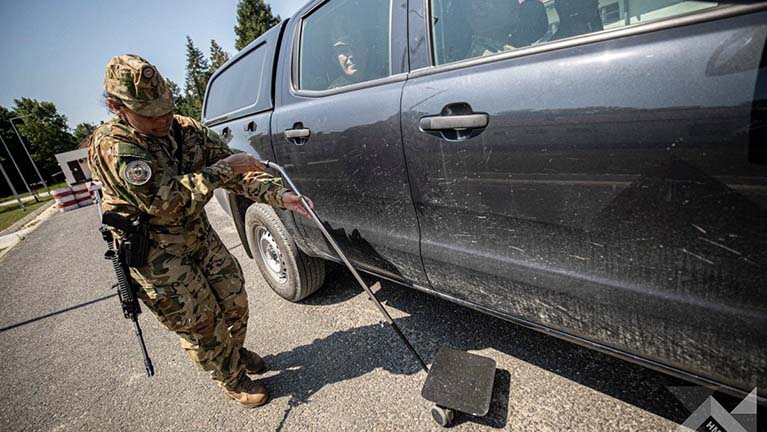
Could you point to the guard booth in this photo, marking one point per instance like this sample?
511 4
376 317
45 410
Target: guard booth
74 165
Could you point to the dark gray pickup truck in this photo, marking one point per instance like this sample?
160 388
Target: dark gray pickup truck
593 169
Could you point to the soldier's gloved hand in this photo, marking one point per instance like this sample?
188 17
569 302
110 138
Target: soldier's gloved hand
242 163
292 202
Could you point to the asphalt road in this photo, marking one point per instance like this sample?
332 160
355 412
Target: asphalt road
70 361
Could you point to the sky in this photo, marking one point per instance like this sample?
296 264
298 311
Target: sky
56 51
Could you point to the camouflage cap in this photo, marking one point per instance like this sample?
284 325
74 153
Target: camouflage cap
139 85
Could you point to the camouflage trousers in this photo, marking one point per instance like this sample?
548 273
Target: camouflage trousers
200 296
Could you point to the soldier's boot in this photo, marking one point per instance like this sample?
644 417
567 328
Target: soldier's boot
252 361
249 394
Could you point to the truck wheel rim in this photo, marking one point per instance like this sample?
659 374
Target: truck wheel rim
271 255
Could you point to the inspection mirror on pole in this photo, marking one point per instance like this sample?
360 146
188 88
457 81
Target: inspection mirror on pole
457 380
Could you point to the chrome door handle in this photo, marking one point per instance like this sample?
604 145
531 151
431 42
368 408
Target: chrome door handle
226 135
454 122
297 133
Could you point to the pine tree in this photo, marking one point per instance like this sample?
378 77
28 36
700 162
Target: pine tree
182 104
254 17
180 100
196 78
217 56
178 97
198 72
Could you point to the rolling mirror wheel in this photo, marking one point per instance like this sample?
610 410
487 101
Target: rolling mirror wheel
442 416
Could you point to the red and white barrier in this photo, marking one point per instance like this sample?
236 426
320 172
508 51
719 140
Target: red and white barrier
79 195
82 195
65 199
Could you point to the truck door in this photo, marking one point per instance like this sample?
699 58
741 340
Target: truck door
337 130
585 165
238 103
238 106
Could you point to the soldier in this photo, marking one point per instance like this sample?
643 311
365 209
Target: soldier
164 168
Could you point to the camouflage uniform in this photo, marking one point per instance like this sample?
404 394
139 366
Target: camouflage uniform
190 281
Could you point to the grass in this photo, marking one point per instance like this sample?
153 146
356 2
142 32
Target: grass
10 214
40 191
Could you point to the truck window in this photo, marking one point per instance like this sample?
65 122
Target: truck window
239 85
344 42
463 29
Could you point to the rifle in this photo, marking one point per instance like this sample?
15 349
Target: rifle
130 246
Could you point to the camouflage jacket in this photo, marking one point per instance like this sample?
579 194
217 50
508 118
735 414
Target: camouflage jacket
173 202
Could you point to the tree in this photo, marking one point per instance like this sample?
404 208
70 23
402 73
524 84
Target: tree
45 132
182 103
217 56
5 127
254 18
83 131
174 89
198 72
217 59
196 77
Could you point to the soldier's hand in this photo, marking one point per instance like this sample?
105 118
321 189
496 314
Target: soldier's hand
292 202
243 163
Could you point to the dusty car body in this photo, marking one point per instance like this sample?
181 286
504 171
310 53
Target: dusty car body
608 188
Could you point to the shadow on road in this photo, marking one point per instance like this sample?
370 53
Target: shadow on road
433 323
498 415
71 308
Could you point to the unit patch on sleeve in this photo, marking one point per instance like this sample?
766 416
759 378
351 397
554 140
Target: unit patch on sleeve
137 172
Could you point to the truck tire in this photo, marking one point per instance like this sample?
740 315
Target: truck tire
292 274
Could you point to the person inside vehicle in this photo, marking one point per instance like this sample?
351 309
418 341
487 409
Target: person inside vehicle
491 22
351 56
532 25
577 17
